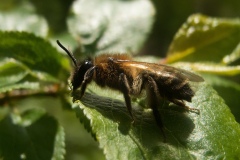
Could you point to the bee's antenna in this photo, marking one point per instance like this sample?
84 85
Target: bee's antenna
68 52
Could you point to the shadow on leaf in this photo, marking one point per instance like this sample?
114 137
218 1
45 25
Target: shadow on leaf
178 126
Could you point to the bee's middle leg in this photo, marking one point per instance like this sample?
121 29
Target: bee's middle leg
126 90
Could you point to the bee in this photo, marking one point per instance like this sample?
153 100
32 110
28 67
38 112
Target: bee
120 72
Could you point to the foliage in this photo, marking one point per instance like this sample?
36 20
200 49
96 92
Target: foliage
33 85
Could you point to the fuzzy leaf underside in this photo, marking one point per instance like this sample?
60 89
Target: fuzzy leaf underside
111 31
22 17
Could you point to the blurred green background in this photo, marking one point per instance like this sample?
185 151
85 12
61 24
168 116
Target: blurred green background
170 15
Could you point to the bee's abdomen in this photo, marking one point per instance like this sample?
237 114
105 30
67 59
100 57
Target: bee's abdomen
175 88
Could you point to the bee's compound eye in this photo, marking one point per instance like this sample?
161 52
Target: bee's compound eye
87 63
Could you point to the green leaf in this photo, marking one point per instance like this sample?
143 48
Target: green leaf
211 45
59 145
189 136
33 52
15 75
218 76
211 68
227 89
30 135
11 72
22 85
233 57
104 26
204 38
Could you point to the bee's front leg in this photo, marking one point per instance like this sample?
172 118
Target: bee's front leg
87 79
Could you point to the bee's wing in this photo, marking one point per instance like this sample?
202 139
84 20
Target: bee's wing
163 70
189 75
184 74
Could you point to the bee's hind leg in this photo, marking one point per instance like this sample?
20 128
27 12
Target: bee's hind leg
183 105
152 94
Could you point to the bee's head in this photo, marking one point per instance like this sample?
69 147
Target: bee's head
79 72
80 69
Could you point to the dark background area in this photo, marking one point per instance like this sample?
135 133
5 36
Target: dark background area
172 14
